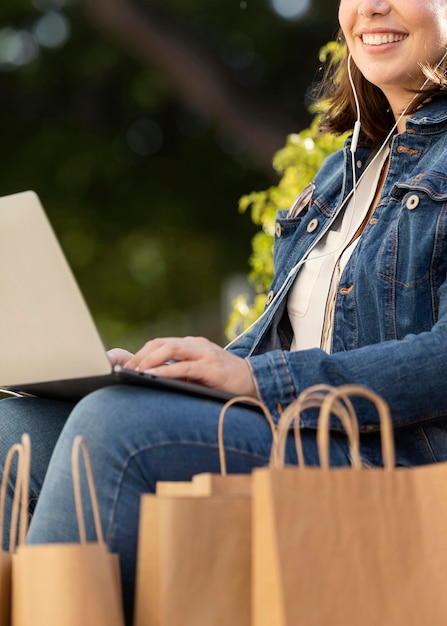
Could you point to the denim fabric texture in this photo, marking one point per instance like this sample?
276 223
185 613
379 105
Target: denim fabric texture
390 324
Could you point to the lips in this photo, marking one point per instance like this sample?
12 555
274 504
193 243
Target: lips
379 39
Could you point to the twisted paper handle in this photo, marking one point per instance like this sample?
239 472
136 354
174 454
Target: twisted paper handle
19 516
16 449
237 400
344 393
78 446
314 398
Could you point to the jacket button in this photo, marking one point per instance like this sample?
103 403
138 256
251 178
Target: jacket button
413 202
312 226
278 229
270 297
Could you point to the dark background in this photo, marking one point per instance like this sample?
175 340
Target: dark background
140 124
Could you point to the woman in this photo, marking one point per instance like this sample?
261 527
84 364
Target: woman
359 295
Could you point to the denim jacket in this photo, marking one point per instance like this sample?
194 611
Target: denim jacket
390 324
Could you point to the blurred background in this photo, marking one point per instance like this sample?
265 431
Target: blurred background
140 124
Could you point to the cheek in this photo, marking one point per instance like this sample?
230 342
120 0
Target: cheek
436 13
341 12
345 17
443 28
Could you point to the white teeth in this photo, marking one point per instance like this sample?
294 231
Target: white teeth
378 40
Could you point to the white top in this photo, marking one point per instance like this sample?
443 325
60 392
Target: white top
312 297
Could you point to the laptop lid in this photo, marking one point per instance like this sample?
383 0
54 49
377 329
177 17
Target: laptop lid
50 346
47 332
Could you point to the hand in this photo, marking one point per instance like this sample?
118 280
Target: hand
119 356
195 359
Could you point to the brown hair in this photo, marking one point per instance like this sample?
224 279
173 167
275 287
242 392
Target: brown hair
340 114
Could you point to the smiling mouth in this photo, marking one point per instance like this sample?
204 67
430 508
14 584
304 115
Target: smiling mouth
380 40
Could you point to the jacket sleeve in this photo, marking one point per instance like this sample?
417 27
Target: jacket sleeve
410 374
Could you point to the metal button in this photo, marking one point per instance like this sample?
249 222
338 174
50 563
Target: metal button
359 164
413 202
312 226
270 297
278 229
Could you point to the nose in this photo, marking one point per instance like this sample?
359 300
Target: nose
370 8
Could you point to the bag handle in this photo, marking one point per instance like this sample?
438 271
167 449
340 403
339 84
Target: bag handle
343 393
19 516
79 445
226 406
15 449
313 398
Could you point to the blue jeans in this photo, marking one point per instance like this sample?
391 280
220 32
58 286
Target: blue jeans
135 437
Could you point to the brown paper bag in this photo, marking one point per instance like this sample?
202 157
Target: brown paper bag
6 557
199 571
350 545
194 549
70 584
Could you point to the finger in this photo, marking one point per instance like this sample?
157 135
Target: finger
182 370
118 356
155 353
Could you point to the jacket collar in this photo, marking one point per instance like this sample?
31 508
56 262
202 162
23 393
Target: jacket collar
431 116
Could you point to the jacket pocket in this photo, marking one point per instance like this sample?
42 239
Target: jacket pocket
413 248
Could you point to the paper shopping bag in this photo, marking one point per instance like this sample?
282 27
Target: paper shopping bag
74 584
194 549
199 571
6 557
338 546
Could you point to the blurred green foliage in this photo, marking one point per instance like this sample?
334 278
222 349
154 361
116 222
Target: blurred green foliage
141 189
296 163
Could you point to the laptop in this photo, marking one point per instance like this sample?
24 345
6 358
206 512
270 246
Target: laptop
50 346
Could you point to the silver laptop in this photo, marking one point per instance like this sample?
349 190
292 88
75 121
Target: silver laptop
50 346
